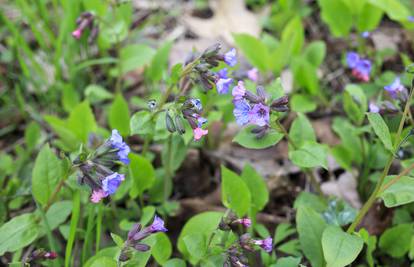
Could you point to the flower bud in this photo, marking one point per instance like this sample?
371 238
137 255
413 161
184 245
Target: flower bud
169 123
211 51
280 104
179 124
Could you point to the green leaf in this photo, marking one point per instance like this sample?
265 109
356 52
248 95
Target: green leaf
234 192
96 93
32 135
82 122
247 139
309 155
337 15
141 123
371 242
118 116
175 263
59 126
369 18
305 74
159 63
381 129
197 245
400 193
393 8
315 53
142 174
302 103
18 233
135 56
204 223
340 248
162 249
396 241
178 152
310 226
118 240
254 50
104 261
282 231
257 187
301 131
58 213
355 103
287 262
45 175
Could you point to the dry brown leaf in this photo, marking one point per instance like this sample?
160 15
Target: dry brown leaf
230 16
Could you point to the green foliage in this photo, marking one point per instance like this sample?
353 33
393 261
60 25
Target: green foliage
257 187
118 116
381 130
310 154
142 174
396 241
399 193
355 103
235 192
254 50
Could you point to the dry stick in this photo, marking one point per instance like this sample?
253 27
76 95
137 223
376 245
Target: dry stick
309 172
378 186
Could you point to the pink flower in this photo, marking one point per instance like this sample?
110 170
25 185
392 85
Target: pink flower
98 195
77 33
198 133
246 222
253 74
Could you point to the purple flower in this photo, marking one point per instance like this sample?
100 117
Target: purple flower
362 70
352 59
238 91
157 225
197 104
410 18
77 33
253 74
111 183
98 195
222 85
394 88
222 74
266 244
373 108
117 143
230 57
200 120
365 34
259 115
246 222
241 112
199 132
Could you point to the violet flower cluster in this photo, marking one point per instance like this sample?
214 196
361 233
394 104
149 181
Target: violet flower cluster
253 109
361 67
137 234
97 169
83 22
397 90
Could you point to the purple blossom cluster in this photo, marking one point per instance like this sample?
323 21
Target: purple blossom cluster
396 89
247 242
361 67
137 234
97 171
191 110
83 22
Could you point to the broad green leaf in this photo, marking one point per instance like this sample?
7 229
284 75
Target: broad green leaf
337 15
310 226
355 103
196 245
82 122
254 50
371 242
118 116
400 193
305 74
282 231
159 63
369 18
58 213
104 261
32 135
315 53
247 139
257 187
142 174
309 155
339 248
302 103
393 8
178 152
162 249
110 252
147 215
18 233
235 193
175 263
96 93
118 240
204 223
301 131
396 241
45 175
69 139
381 129
287 262
135 56
141 123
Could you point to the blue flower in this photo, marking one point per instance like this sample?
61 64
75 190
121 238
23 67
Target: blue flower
352 59
373 108
230 57
394 88
197 104
365 34
117 143
259 114
361 68
241 112
111 183
410 18
223 85
266 244
239 91
157 225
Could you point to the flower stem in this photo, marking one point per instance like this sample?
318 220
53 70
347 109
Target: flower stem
377 189
309 172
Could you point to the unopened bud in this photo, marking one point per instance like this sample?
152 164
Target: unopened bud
211 51
169 123
179 124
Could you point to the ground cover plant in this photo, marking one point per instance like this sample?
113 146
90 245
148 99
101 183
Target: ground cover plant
206 133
